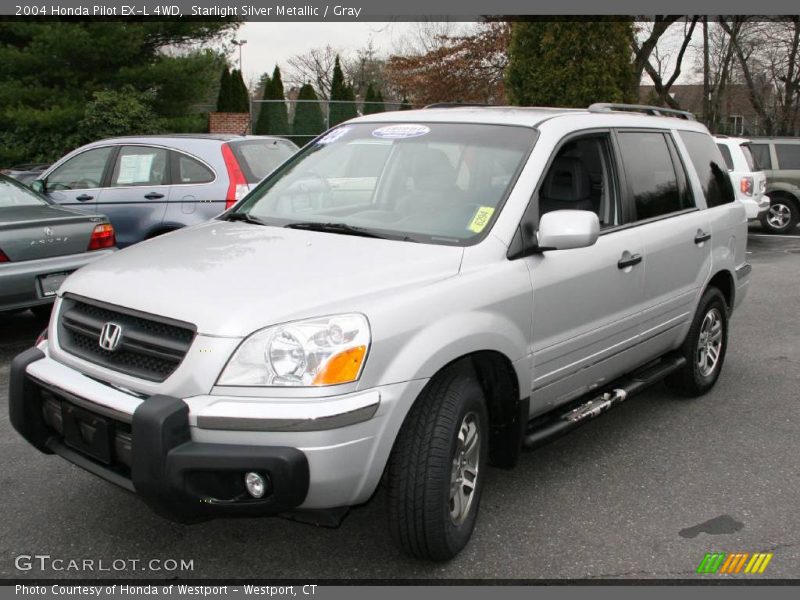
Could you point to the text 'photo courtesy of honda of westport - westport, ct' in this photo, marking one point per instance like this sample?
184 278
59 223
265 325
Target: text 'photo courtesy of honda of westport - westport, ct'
307 295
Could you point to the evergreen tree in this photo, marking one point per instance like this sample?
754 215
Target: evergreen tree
262 122
570 63
341 95
278 118
240 96
308 121
224 96
370 101
380 106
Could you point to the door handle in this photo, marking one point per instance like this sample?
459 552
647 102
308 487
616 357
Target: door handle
633 259
84 198
153 196
702 236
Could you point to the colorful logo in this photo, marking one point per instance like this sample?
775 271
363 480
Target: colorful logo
732 563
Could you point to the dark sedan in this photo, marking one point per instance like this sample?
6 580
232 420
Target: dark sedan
41 243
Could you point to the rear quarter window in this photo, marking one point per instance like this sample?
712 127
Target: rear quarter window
710 167
726 154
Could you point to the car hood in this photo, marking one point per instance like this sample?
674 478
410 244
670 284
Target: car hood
231 279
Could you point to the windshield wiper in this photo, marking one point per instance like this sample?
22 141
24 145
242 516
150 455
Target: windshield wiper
342 228
244 217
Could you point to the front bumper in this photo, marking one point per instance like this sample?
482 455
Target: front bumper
19 281
187 457
179 478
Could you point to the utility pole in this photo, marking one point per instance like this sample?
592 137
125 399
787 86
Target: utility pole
240 43
706 68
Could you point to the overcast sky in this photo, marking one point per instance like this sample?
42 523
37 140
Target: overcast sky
271 43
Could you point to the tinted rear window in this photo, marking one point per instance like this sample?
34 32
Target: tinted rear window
761 156
788 156
258 158
710 167
726 154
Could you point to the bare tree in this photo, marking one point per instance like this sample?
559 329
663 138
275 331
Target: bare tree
717 62
768 54
365 67
314 67
655 61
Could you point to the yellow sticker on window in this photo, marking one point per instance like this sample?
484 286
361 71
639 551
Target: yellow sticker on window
481 218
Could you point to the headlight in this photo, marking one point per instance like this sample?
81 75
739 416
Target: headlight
314 352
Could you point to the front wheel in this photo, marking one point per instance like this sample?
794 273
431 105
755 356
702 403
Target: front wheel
782 215
704 347
437 467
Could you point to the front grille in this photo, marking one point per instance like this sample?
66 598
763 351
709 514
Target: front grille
149 347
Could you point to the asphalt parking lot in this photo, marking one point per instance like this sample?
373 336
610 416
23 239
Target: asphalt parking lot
642 492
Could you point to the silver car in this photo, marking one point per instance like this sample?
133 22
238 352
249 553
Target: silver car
410 298
40 244
151 185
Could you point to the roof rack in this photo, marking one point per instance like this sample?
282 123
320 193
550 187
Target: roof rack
655 111
455 105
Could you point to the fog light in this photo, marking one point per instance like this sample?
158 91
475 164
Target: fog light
256 484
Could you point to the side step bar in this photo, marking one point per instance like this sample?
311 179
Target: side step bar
624 388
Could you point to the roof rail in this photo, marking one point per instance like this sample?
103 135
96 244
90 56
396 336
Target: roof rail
455 105
655 111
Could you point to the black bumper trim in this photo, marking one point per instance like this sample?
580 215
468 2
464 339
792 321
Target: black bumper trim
178 478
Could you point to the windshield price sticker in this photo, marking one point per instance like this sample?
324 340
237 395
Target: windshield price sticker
481 218
334 135
399 132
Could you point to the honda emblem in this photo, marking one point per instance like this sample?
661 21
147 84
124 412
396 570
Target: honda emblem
110 336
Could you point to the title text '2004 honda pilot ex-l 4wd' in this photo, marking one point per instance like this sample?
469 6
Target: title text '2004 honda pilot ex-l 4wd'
411 297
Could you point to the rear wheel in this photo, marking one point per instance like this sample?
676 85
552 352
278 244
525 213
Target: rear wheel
704 347
436 470
782 216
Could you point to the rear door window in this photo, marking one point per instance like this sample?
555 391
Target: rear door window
788 156
140 166
258 158
652 179
710 168
761 156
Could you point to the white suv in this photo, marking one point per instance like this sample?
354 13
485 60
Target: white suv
749 182
410 298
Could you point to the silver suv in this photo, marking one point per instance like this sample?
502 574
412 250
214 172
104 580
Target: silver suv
410 298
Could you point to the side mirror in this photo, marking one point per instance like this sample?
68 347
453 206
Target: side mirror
38 186
565 229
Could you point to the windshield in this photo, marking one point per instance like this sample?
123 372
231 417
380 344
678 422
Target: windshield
437 182
14 194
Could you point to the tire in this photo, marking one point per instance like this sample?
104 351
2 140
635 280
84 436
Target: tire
782 216
711 317
426 461
42 311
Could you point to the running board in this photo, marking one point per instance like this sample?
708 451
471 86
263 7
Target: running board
623 389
